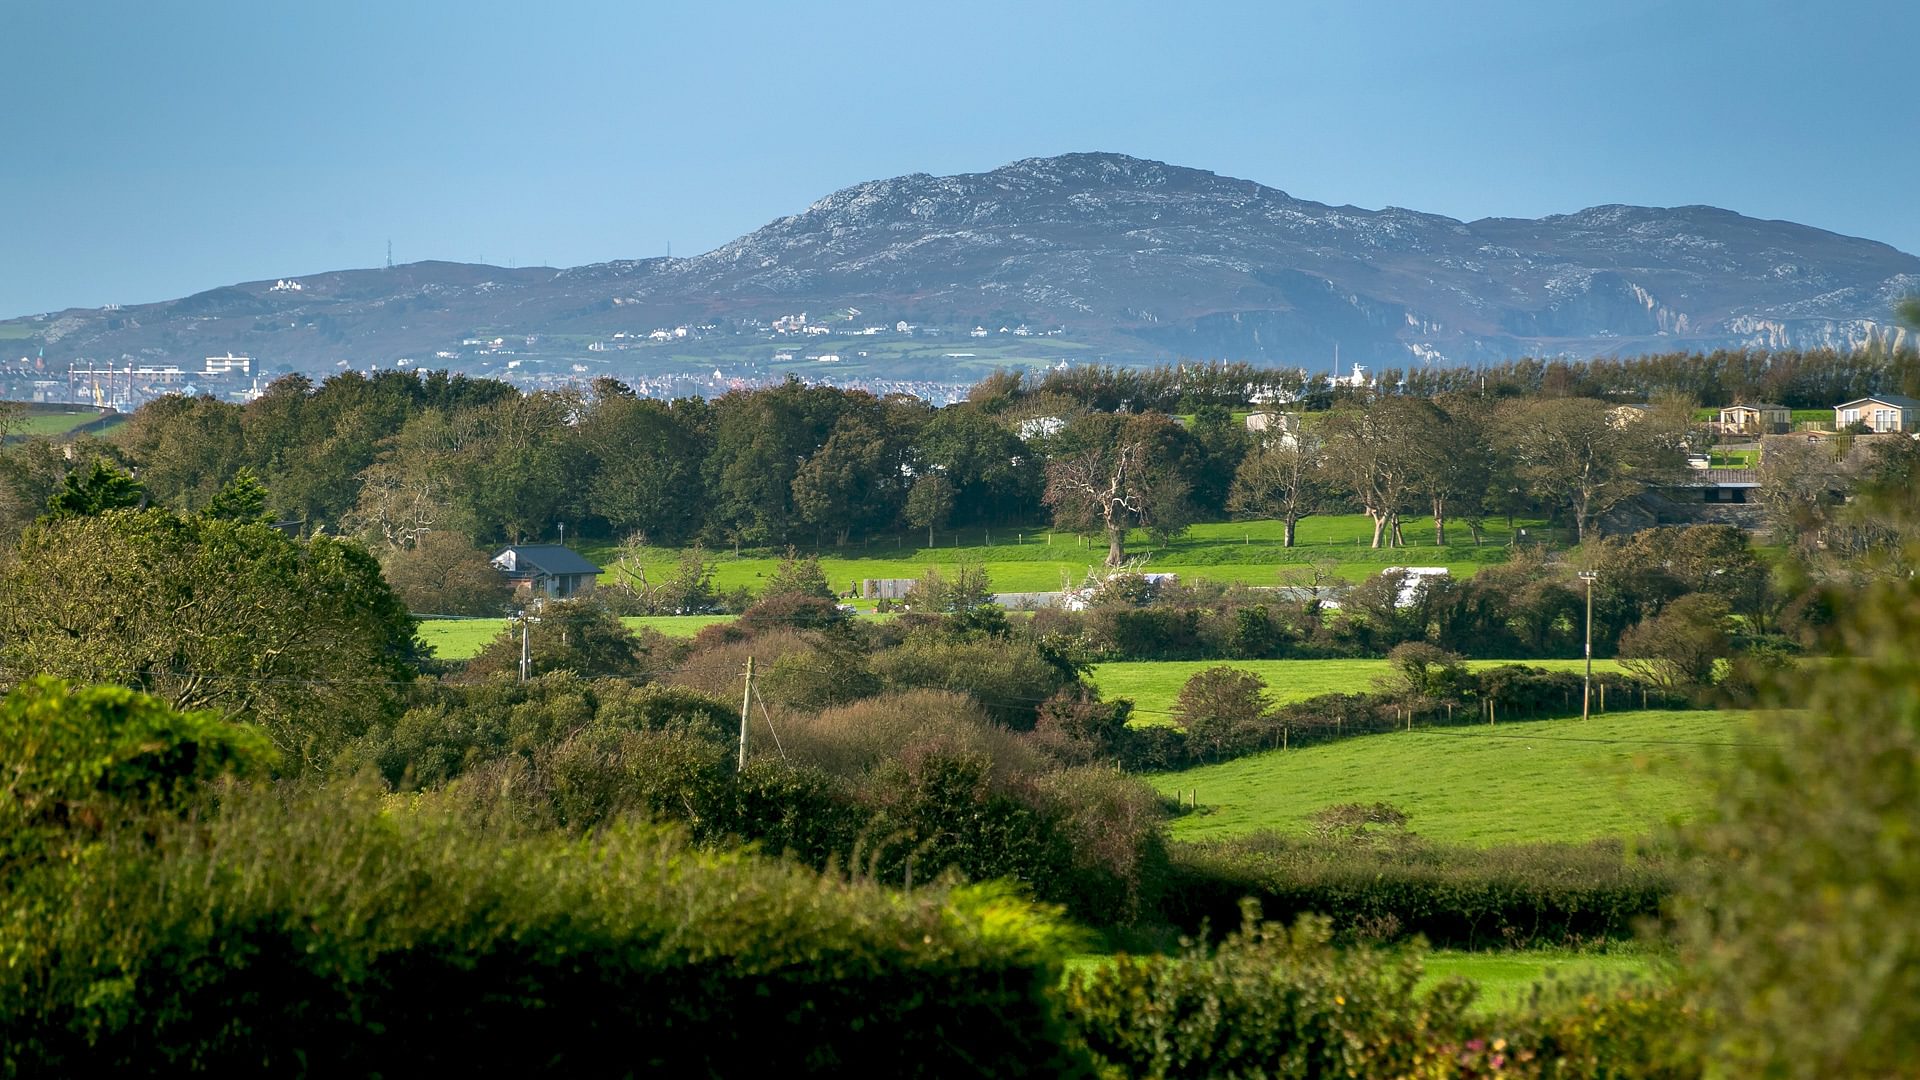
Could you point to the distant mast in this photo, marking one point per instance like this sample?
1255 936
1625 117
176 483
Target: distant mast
389 252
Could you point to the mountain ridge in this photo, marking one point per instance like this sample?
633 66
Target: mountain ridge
1134 260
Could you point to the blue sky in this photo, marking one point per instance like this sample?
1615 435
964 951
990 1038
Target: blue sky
150 150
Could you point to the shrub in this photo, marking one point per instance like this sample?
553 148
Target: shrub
1676 650
1800 918
88 756
1221 708
322 933
1010 678
854 740
792 610
1470 897
578 635
1269 1003
1113 824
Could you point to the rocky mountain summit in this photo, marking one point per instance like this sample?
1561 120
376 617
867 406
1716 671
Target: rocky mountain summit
1139 260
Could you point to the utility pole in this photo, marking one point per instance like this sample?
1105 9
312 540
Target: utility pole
1586 691
526 650
746 698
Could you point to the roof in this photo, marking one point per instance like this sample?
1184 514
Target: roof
546 559
1901 400
1757 405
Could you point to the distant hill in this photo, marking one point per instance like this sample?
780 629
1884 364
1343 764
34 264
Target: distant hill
1127 260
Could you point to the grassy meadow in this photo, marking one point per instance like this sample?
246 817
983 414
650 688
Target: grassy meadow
461 639
1154 685
1617 775
1042 560
50 421
1506 977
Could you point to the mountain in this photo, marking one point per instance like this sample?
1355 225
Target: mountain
1126 260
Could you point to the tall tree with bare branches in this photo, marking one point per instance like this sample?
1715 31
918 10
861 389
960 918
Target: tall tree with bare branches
1114 472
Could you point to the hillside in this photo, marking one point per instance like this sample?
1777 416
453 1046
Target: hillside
1620 775
1092 256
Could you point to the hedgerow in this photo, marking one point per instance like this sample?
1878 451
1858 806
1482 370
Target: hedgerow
326 932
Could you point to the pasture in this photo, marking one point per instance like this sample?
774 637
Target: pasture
50 421
462 639
1617 775
1505 978
1154 685
1042 560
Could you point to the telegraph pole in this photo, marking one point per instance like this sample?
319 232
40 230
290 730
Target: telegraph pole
1586 692
526 650
746 698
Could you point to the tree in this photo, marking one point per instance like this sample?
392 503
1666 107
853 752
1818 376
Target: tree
444 574
304 638
97 490
1221 708
1453 461
1798 924
577 635
847 483
644 463
1374 452
1573 454
1676 650
185 447
242 498
1282 479
1107 477
798 575
930 503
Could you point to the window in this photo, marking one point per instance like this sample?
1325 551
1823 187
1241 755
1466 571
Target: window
1883 419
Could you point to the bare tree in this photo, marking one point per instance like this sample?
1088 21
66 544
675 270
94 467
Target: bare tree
1104 483
1281 480
1372 452
1570 452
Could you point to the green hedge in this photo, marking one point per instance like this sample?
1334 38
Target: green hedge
1534 894
1287 1003
334 932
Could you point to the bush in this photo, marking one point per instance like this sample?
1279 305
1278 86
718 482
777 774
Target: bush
1011 678
322 933
83 758
443 574
463 726
578 635
1221 709
1268 1003
1469 897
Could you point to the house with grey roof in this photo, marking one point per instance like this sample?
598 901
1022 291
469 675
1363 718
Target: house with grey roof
546 570
1881 413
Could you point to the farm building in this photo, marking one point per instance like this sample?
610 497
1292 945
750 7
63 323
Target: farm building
546 570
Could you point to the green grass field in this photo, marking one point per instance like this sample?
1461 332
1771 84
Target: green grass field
461 639
1617 775
1155 685
1027 560
48 421
1506 978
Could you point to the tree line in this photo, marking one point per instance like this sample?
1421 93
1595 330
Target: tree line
405 461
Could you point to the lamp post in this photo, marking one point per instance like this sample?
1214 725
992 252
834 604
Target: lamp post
1586 691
